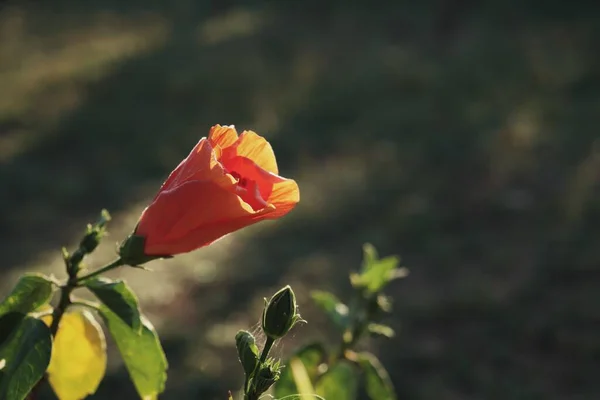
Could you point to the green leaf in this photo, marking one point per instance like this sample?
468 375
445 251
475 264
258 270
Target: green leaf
26 354
311 356
338 383
370 256
378 383
8 323
31 292
378 274
375 272
119 298
333 307
381 330
142 353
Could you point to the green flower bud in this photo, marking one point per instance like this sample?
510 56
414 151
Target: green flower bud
247 351
91 240
280 315
266 377
94 233
74 261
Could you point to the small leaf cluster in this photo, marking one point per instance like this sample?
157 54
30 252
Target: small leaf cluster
66 344
332 372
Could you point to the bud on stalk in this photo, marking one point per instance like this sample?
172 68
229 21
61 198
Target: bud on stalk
280 314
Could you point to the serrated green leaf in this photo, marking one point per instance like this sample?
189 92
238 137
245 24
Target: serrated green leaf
31 292
119 298
381 330
26 354
333 307
311 356
142 353
377 381
338 383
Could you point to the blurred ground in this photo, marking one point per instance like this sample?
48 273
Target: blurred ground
462 135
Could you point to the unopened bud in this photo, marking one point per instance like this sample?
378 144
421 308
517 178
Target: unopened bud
91 240
247 351
280 315
94 233
266 377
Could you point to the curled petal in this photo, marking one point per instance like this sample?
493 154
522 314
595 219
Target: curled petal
174 176
201 165
252 172
221 137
251 196
253 147
284 197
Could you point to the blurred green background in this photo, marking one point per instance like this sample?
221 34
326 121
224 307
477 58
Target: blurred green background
461 135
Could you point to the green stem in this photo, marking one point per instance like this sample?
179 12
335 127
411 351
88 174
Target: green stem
250 392
355 331
115 264
65 301
265 352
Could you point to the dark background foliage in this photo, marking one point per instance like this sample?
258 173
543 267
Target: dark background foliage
461 135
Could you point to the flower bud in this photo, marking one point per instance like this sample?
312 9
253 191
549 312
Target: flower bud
94 233
279 315
247 351
91 240
267 376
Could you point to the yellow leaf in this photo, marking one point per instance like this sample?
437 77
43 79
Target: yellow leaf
78 360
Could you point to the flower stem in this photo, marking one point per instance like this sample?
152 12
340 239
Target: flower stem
115 264
265 352
72 283
250 390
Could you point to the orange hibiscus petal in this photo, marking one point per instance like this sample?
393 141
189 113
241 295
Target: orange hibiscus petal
284 196
210 233
173 177
222 136
257 149
251 196
202 207
200 165
250 171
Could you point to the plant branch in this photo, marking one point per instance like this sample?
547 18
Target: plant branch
65 301
115 264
